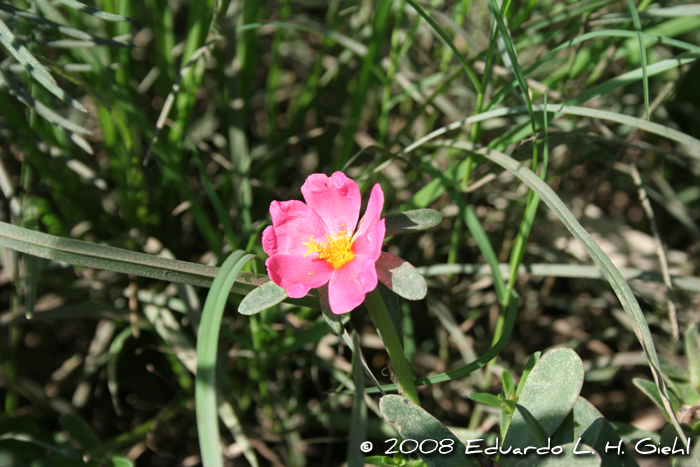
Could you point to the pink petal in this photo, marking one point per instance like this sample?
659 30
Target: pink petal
269 240
296 274
336 199
349 284
370 234
294 223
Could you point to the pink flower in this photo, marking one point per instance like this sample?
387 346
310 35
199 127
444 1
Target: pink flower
316 243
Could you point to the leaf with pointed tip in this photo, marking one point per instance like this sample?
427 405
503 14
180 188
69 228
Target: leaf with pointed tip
401 277
262 298
417 424
411 221
493 401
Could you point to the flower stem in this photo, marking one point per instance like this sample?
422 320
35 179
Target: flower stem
402 370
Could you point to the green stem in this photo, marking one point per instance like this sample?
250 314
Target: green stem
402 370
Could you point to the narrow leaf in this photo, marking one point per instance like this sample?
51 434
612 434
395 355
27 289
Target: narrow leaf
93 12
358 418
620 287
25 98
98 256
36 69
642 52
207 344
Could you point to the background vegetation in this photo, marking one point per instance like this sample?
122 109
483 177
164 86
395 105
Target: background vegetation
169 129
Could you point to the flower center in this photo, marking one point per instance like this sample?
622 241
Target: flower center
336 248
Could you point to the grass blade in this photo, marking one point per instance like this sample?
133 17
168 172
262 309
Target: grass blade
480 362
559 110
642 52
36 69
207 344
496 11
98 256
580 271
620 287
358 420
25 98
63 29
93 12
448 42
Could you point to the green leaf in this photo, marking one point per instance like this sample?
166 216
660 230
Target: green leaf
493 401
620 287
480 362
537 430
98 256
381 461
601 435
78 431
692 460
510 50
207 344
401 277
119 461
508 386
411 221
358 418
93 12
24 97
643 53
531 362
417 424
114 349
566 459
391 300
580 271
262 298
33 66
630 434
652 392
592 428
549 394
448 41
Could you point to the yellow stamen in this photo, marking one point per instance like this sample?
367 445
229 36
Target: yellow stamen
336 248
